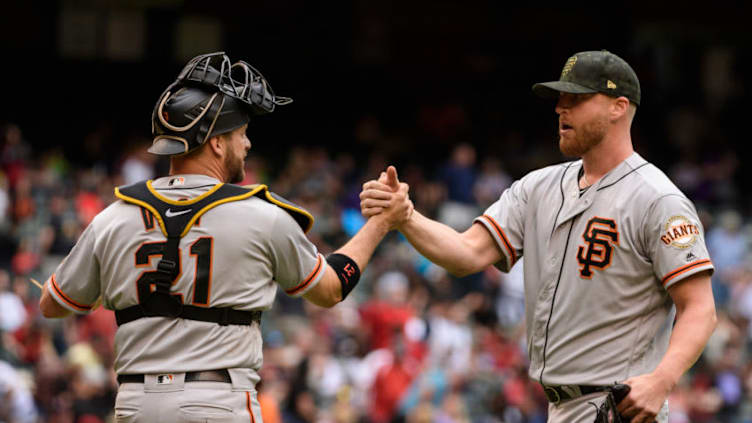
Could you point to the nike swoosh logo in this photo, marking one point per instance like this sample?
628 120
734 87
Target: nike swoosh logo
170 213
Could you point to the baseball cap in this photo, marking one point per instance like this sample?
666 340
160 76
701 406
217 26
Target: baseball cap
594 72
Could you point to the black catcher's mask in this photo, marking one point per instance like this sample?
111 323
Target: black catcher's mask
210 97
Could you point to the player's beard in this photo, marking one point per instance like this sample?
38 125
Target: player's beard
235 166
581 140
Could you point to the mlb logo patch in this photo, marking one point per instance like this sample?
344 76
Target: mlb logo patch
165 379
176 181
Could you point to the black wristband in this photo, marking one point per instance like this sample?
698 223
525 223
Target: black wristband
347 271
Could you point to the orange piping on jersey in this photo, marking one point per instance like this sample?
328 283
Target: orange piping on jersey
65 298
683 269
503 237
307 281
216 203
248 404
182 203
148 206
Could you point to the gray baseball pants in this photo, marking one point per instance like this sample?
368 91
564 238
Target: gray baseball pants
169 399
580 410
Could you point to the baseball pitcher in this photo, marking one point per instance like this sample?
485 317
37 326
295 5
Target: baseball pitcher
615 255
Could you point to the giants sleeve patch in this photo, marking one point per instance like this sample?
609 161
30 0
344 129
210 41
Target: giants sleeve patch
680 232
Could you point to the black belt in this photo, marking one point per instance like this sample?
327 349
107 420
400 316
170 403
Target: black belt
557 394
223 316
221 375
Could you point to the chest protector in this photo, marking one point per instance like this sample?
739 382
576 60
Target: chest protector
175 219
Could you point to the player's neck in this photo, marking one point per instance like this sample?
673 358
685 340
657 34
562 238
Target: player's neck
196 167
605 156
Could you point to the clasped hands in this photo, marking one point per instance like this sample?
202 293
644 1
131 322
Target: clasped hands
387 198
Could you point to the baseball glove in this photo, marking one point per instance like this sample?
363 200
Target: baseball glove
607 412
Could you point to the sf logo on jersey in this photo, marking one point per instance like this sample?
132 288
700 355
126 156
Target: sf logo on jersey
600 236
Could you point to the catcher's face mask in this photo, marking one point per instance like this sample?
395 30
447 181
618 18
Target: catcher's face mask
210 97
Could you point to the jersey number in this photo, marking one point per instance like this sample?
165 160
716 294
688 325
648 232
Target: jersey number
201 249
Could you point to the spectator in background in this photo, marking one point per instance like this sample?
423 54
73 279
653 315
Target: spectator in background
16 401
459 176
387 312
4 202
510 301
729 247
728 244
64 224
450 340
138 164
301 406
14 153
392 382
88 202
492 180
12 310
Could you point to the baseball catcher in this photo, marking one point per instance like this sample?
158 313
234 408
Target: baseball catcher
190 261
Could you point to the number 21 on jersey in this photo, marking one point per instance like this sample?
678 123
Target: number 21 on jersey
201 250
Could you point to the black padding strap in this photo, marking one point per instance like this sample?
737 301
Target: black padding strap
347 271
221 315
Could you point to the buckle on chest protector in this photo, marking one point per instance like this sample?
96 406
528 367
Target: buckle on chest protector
160 302
166 266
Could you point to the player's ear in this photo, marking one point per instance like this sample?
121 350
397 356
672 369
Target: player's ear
619 108
217 145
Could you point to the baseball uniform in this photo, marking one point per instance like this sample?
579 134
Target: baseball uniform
234 256
597 267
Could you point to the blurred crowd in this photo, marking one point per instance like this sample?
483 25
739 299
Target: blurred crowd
412 343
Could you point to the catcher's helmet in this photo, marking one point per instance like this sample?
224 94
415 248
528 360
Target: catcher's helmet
210 97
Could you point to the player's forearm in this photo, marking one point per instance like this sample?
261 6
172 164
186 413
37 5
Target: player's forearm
360 247
694 325
440 244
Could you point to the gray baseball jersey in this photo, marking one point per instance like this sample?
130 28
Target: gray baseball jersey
597 266
248 247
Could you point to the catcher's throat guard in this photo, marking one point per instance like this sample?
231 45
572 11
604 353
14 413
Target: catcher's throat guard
211 96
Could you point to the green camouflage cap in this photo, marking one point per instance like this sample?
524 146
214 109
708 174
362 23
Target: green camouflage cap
594 72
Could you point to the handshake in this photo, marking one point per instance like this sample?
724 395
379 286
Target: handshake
387 199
